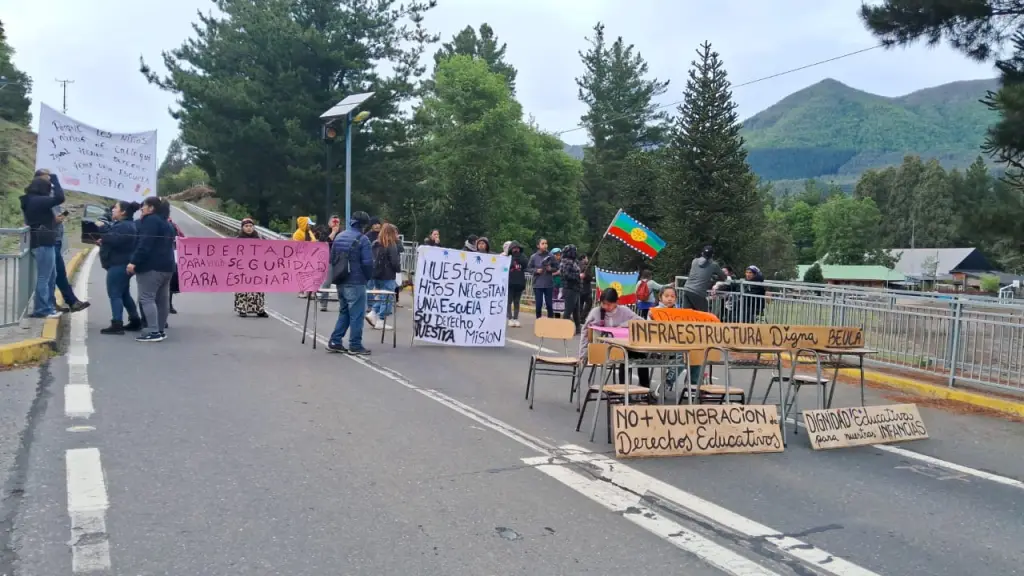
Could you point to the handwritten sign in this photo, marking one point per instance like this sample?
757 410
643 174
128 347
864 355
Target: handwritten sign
863 425
114 165
751 335
461 297
251 265
644 430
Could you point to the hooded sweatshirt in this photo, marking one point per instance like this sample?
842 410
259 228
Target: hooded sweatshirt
302 232
485 241
118 244
360 256
703 272
154 249
517 267
37 207
543 279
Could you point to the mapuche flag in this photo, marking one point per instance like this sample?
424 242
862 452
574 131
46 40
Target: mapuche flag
635 235
623 282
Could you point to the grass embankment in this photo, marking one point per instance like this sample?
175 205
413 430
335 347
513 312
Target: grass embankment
17 164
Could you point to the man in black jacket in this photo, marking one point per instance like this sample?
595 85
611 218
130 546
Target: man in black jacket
72 303
37 207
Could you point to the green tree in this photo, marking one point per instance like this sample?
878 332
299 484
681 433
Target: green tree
621 119
800 221
813 275
846 232
253 82
776 252
487 171
14 100
713 196
177 158
483 46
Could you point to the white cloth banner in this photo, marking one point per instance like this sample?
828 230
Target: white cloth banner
94 161
461 297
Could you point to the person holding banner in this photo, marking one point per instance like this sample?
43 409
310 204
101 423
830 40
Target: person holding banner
250 302
37 208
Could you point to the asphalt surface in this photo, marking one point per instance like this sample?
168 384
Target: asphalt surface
231 448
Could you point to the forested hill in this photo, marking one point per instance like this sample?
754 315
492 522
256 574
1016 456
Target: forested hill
832 131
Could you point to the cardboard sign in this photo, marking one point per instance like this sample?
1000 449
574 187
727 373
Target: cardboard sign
645 431
642 333
863 425
251 265
461 297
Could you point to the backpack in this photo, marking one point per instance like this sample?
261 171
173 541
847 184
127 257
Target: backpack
381 261
643 291
341 263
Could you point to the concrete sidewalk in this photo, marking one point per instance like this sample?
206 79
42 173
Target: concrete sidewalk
33 339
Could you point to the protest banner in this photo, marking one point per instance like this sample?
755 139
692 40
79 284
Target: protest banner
863 425
251 265
95 161
645 431
461 297
642 332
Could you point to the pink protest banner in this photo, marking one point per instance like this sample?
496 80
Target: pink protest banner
251 265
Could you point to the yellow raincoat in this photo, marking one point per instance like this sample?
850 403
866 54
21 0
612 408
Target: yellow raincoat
302 231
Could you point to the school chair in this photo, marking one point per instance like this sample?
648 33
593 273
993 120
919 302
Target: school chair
601 354
567 365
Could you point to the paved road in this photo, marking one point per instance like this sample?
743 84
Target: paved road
233 449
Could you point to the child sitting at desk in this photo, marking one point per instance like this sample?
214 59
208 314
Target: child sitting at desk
667 299
609 314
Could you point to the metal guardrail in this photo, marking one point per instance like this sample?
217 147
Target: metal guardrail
230 225
18 270
958 338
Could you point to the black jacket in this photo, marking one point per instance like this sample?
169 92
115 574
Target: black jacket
37 207
386 262
118 244
154 250
517 266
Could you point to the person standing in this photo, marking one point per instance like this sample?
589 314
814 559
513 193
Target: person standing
37 208
586 287
303 233
116 247
327 234
387 263
703 272
72 303
351 248
543 281
571 275
153 266
165 209
516 281
250 302
647 293
433 239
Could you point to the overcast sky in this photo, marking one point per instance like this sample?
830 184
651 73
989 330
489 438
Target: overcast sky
97 43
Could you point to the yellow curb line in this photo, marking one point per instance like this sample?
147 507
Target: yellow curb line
33 349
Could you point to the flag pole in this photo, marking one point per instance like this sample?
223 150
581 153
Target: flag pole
593 257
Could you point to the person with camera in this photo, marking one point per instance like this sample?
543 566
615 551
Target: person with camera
37 206
72 303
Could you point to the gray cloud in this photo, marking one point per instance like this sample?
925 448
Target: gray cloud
98 42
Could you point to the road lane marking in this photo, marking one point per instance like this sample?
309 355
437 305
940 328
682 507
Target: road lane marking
77 392
87 507
619 474
631 507
826 562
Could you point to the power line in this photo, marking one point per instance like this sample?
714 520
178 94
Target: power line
734 86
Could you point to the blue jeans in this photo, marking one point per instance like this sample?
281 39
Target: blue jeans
383 307
46 281
539 295
120 294
62 277
351 314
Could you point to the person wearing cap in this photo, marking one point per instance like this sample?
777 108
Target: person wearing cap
703 273
352 244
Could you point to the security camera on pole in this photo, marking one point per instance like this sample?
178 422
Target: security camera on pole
342 110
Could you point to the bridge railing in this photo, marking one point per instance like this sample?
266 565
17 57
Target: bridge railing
18 271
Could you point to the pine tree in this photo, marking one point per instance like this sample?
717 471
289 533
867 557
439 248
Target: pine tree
621 120
14 100
713 197
483 46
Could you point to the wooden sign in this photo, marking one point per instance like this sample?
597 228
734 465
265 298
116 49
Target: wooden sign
863 425
642 332
645 431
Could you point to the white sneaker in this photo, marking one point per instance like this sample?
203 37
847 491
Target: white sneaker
371 318
378 325
511 322
55 315
516 323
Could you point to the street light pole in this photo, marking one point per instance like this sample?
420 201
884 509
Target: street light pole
327 172
348 168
